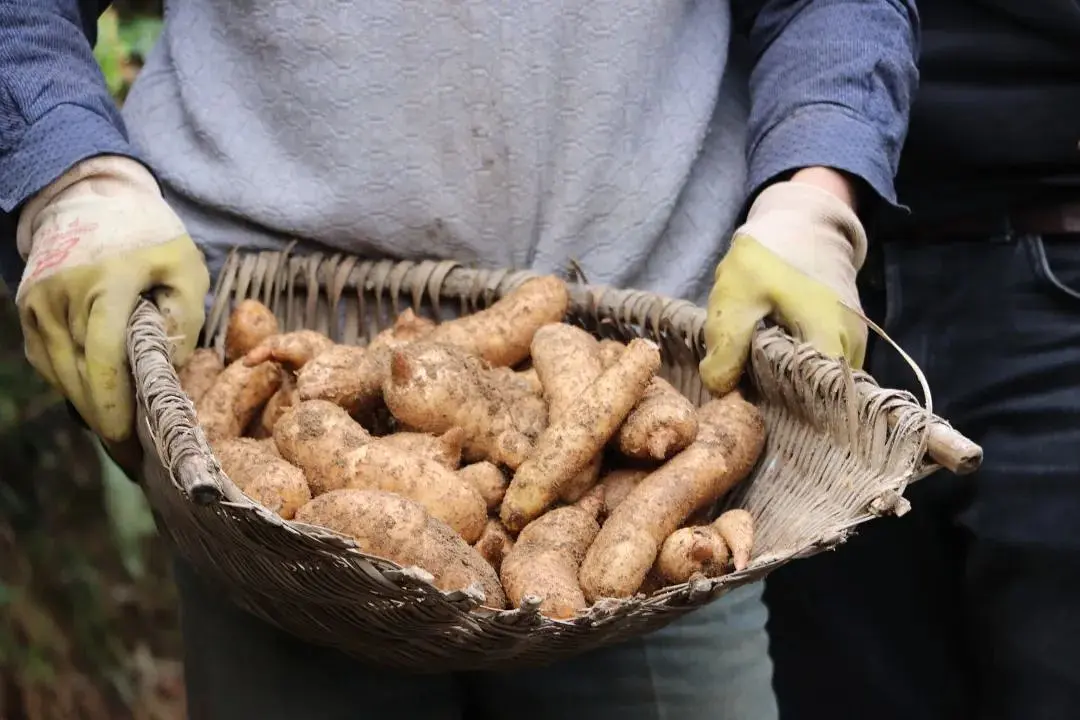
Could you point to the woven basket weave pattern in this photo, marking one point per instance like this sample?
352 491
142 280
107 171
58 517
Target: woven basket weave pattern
840 450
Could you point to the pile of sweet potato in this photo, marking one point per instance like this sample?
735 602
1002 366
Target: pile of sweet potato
505 450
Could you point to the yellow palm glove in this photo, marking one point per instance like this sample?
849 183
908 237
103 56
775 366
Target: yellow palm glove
95 241
794 260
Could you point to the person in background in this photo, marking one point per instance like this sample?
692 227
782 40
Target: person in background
511 134
966 607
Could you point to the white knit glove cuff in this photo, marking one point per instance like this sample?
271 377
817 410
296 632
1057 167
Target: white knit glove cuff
813 231
100 207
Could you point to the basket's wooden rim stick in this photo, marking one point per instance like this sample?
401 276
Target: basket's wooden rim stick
945 446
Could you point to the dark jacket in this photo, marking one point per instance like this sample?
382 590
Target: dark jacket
997 117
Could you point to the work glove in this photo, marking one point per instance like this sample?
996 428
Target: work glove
95 241
794 260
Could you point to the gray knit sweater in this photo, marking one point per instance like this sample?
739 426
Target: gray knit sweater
505 132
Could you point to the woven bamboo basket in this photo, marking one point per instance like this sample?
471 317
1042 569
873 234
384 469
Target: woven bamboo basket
840 451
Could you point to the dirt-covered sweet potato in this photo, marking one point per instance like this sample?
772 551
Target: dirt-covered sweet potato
708 550
489 481
736 527
567 361
544 560
616 486
407 327
250 323
353 377
335 452
292 349
441 491
444 448
236 396
397 529
344 375
731 436
199 373
574 439
262 475
316 436
692 551
663 423
494 543
434 387
502 333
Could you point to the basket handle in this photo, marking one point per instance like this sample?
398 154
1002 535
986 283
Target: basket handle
170 415
945 445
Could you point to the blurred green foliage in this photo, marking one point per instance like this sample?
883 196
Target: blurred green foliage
122 46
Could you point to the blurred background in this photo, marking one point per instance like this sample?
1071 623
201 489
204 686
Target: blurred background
88 621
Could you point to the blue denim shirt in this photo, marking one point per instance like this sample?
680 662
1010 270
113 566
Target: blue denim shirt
831 85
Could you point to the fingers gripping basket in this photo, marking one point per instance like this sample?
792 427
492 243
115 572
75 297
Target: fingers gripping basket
840 451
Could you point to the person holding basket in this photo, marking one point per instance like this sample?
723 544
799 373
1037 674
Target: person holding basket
967 603
507 134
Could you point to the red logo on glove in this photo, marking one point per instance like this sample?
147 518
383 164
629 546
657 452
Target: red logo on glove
55 244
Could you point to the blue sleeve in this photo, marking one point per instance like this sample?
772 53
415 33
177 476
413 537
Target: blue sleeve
832 85
55 108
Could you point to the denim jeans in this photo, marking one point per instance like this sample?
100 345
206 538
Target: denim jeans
710 665
969 606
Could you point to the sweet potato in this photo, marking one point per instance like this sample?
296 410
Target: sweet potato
710 550
522 381
352 377
263 476
736 527
529 379
692 551
567 360
731 435
434 387
407 327
279 402
572 440
335 452
316 436
617 484
345 375
494 543
199 373
524 397
529 412
663 423
444 449
445 495
501 334
545 558
268 446
610 350
292 349
238 393
488 480
397 529
250 323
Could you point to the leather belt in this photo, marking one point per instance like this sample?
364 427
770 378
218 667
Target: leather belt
1059 219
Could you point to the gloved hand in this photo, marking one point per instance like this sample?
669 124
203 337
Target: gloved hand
94 241
794 260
